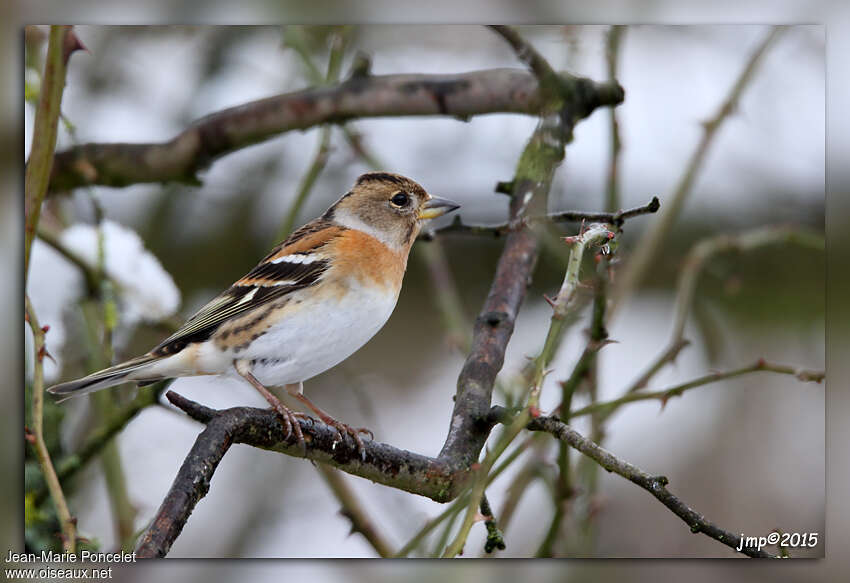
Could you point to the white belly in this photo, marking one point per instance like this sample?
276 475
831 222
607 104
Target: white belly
319 336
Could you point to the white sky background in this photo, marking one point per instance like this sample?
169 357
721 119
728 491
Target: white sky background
674 77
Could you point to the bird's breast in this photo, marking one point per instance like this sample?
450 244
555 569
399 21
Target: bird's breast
316 331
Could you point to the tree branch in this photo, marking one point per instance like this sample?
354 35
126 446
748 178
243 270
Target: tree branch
616 219
179 159
655 485
612 186
608 407
696 259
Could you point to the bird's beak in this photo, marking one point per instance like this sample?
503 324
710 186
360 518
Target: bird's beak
437 207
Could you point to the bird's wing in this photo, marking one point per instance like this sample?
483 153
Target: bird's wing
294 264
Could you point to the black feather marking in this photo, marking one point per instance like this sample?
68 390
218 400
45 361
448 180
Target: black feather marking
231 303
286 271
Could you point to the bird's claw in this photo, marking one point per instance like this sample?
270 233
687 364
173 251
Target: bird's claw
290 422
342 429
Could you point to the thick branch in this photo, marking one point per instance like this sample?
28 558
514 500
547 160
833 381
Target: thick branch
435 478
179 159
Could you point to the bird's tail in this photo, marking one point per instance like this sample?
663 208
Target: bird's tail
108 377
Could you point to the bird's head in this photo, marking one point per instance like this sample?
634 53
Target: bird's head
389 207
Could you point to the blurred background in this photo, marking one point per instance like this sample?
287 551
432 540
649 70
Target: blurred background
747 453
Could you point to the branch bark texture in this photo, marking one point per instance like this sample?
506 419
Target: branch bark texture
360 96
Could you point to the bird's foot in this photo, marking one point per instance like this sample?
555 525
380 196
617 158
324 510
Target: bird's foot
342 429
289 419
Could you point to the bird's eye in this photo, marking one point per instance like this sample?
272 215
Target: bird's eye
400 199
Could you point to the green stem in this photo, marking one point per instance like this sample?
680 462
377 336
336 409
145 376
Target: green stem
45 127
43 455
609 407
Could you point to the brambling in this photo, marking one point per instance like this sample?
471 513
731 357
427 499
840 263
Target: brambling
308 305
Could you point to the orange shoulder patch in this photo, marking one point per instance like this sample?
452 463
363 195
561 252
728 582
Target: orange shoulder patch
367 259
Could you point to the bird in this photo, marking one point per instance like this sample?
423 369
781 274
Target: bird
314 300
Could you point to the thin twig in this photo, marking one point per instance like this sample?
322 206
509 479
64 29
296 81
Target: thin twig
353 510
68 466
90 273
446 295
616 219
664 395
612 188
418 538
524 477
103 310
294 38
495 538
652 240
692 268
655 485
36 437
320 159
546 75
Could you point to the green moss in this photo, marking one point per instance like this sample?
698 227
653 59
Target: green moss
538 159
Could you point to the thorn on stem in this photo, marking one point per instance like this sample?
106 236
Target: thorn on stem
71 44
48 355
